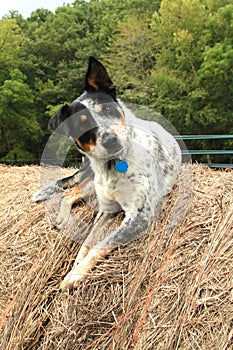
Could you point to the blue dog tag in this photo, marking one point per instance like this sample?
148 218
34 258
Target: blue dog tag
121 166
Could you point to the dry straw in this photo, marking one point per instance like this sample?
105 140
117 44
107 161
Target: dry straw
172 289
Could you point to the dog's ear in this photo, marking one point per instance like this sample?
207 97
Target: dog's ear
97 78
72 120
58 119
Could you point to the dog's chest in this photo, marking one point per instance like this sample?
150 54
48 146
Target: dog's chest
106 186
110 185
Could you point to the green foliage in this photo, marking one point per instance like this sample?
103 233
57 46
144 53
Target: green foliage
192 78
130 58
194 65
10 39
18 156
172 55
18 126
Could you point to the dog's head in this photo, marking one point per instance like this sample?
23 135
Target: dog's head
94 120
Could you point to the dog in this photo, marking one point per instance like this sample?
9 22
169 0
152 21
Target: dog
132 164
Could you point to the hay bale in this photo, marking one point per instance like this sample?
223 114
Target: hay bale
169 290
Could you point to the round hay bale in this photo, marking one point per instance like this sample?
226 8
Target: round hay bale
168 290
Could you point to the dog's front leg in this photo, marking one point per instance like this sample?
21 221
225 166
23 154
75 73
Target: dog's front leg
131 228
86 257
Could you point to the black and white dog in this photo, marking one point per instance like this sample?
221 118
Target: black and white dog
132 165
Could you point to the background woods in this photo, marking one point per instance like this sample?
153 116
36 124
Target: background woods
175 56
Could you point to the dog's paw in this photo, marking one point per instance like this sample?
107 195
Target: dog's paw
81 269
46 192
72 279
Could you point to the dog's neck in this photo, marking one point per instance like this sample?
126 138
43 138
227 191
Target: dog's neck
127 154
107 164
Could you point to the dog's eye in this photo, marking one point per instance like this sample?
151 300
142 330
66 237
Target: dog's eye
106 108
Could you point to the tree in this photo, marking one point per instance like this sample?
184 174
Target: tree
10 39
188 37
130 57
216 71
176 58
19 129
192 78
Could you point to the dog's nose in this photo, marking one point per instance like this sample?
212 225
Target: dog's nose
111 142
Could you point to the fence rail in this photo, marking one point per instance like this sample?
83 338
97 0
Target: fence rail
207 152
203 137
178 137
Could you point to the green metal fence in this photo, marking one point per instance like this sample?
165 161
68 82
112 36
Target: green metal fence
194 152
208 152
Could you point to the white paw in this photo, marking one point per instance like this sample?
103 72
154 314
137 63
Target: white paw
46 192
72 279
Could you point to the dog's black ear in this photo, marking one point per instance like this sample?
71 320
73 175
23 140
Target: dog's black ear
58 119
97 78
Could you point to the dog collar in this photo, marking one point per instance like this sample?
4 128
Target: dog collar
121 166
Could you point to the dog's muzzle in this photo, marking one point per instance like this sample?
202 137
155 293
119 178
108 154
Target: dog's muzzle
111 143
